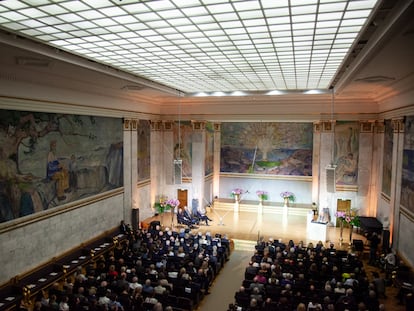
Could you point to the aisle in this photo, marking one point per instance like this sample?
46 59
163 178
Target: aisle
227 282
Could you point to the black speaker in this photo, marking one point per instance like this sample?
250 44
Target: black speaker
135 219
385 241
154 224
358 245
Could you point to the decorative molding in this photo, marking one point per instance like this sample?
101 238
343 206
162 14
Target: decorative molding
366 126
398 125
380 126
156 125
198 125
168 125
385 197
407 213
317 127
347 188
328 126
61 209
134 123
127 124
217 127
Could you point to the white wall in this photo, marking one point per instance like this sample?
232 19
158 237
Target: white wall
301 187
31 245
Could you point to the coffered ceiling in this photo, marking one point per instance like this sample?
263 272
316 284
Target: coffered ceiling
361 48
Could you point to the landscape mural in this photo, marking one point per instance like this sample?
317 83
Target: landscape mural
346 152
407 180
273 148
387 158
47 160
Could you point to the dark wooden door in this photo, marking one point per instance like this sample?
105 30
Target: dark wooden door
182 197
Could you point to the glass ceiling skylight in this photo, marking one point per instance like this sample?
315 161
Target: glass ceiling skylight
201 45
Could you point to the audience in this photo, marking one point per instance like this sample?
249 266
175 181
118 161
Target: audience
154 269
164 270
297 277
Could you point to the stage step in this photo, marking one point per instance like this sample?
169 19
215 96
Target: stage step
244 245
267 209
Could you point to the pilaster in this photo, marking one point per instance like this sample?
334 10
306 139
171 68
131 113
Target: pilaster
397 158
365 167
128 143
326 148
317 129
157 164
216 159
198 160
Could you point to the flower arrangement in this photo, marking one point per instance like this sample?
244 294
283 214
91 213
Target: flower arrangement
166 205
348 218
236 191
289 195
262 194
172 203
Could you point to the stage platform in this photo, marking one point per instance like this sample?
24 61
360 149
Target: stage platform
268 207
248 224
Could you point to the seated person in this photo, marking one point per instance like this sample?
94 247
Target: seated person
202 217
183 219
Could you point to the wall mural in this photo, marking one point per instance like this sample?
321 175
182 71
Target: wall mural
387 158
274 148
209 158
407 182
183 131
48 160
346 151
143 145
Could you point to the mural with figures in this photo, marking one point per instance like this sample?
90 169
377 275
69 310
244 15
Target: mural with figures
47 160
209 158
274 148
346 151
143 146
407 182
387 158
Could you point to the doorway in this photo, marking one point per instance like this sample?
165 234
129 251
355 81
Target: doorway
182 197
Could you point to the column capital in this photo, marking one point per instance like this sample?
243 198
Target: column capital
168 125
217 126
198 125
398 125
127 124
328 126
156 125
366 126
380 126
317 127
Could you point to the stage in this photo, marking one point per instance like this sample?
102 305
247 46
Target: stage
250 224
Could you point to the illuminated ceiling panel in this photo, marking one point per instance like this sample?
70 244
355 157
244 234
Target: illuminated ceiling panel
202 45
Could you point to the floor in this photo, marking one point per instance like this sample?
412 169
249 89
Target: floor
245 227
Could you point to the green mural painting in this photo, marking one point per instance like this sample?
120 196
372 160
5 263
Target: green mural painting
274 148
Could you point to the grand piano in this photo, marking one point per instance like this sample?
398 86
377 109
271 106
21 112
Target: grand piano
369 225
